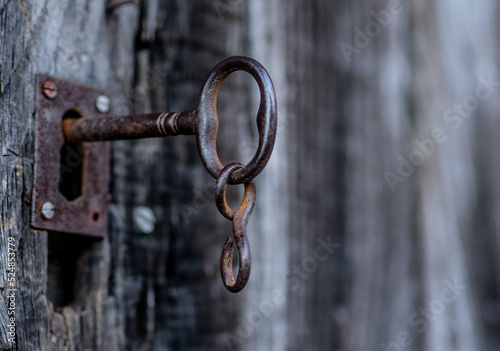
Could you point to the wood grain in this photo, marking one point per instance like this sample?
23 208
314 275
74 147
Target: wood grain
343 259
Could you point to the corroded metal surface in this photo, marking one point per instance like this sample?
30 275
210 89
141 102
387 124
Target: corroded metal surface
203 122
240 219
87 214
129 127
207 123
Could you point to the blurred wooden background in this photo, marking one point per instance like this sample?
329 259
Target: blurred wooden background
377 220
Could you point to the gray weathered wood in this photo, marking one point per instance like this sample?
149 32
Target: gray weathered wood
343 259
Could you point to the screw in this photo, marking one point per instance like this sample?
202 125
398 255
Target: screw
49 89
48 210
102 103
144 219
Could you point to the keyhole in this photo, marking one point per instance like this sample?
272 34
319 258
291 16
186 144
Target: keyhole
71 165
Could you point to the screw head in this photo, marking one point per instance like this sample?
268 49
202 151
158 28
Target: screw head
49 89
144 219
102 103
48 210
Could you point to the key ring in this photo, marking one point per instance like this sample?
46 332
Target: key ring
207 123
240 219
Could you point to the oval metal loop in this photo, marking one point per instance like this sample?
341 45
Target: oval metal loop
207 123
240 219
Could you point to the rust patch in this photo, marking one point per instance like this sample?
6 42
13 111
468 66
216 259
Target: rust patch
87 214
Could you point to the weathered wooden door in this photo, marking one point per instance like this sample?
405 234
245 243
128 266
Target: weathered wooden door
376 224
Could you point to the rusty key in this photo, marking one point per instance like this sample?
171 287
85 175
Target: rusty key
203 122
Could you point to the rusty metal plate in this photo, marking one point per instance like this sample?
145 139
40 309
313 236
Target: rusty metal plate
85 214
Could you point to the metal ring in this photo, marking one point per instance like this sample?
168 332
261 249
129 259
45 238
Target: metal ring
220 190
207 123
240 219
